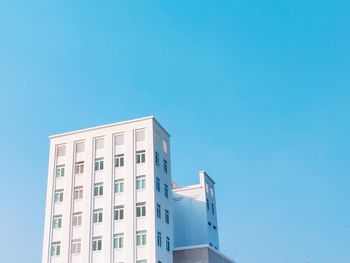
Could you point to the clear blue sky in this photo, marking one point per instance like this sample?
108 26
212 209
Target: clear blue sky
255 92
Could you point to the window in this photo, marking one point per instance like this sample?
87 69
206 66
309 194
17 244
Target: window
77 219
57 222
99 164
140 135
55 249
167 244
98 189
119 139
159 214
58 196
214 227
157 184
159 239
60 170
141 238
97 244
100 143
141 156
79 168
166 216
209 223
166 191
119 212
76 246
165 166
61 150
119 186
141 261
212 191
78 193
80 147
140 182
165 146
212 209
118 241
97 217
206 187
207 204
119 160
156 157
141 209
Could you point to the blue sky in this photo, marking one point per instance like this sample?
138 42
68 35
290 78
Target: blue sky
255 92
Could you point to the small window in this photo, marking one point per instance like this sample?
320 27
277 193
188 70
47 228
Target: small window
209 224
61 150
76 246
140 135
165 146
100 143
119 186
78 193
80 147
207 187
167 216
58 196
60 170
141 238
57 222
207 204
141 209
159 239
119 139
166 191
140 157
167 243
141 261
214 227
157 184
55 249
118 241
77 219
99 164
140 182
98 189
212 209
97 244
79 168
159 213
119 160
97 217
165 166
156 157
118 212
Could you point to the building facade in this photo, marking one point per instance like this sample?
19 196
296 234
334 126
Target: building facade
109 195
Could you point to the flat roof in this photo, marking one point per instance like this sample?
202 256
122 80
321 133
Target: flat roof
110 125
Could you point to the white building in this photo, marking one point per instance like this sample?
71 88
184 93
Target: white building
111 199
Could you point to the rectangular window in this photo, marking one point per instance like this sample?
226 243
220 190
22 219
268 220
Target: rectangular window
118 241
55 249
159 213
119 186
60 170
99 164
141 238
119 160
157 184
97 244
119 212
207 204
97 217
212 209
76 246
79 168
140 156
140 182
57 222
141 261
78 193
58 196
98 189
165 166
212 191
100 143
167 243
141 209
159 239
140 135
119 139
166 191
77 219
61 150
80 147
166 216
156 157
165 146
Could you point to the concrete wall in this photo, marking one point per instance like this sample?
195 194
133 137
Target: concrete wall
203 254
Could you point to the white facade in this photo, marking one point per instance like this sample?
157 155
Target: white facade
109 195
195 217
